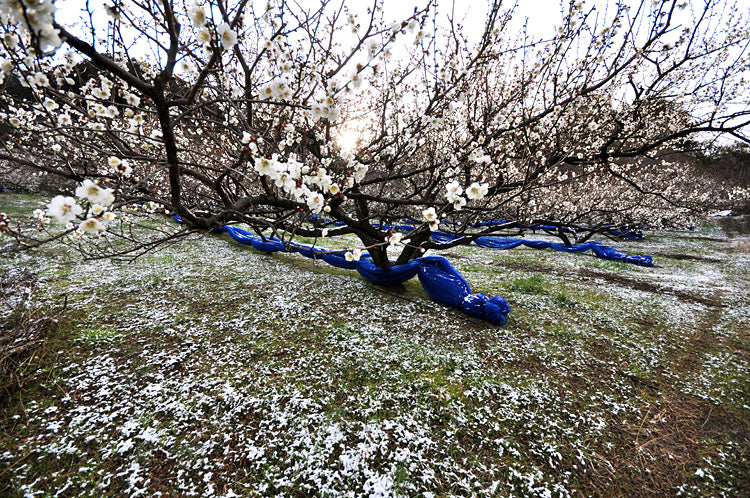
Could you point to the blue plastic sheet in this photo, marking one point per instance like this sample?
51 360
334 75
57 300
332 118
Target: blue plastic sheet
392 276
493 309
307 251
536 244
339 261
442 282
599 250
498 242
627 234
445 285
576 248
443 237
612 254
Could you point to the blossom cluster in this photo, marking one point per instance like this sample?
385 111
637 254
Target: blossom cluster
65 209
277 89
354 255
475 191
431 217
326 109
225 34
37 16
310 186
119 166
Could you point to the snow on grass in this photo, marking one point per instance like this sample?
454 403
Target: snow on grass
211 369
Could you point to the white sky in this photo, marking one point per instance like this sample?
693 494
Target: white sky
542 15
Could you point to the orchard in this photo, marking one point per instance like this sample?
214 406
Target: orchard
373 138
312 119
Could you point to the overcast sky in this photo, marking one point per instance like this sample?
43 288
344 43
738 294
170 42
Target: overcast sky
542 15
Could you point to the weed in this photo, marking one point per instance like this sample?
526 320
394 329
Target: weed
564 301
533 284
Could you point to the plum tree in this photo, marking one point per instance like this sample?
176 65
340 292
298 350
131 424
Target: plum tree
302 119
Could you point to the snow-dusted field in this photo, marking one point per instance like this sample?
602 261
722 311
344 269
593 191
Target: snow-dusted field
211 369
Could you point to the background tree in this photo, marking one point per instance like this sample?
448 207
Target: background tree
301 120
729 163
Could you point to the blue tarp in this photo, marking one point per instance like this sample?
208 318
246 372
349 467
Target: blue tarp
445 285
392 276
409 225
442 282
495 242
601 251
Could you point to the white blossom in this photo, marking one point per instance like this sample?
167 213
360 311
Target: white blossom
63 209
227 36
95 194
396 238
354 255
315 202
203 36
197 16
477 191
454 188
429 214
91 226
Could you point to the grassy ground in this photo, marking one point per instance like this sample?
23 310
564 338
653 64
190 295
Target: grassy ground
209 368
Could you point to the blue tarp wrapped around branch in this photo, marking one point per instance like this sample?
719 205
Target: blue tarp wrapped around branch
443 237
498 242
392 276
339 261
442 282
445 285
601 251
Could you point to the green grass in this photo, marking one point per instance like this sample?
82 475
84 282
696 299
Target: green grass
208 366
97 336
533 284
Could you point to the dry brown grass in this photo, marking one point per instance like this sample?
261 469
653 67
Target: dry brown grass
24 332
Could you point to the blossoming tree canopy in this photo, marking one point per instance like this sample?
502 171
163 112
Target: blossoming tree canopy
315 119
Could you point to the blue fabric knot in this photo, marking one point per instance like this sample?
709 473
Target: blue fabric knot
493 309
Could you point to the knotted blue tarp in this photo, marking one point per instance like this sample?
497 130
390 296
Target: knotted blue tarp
601 251
442 282
445 285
